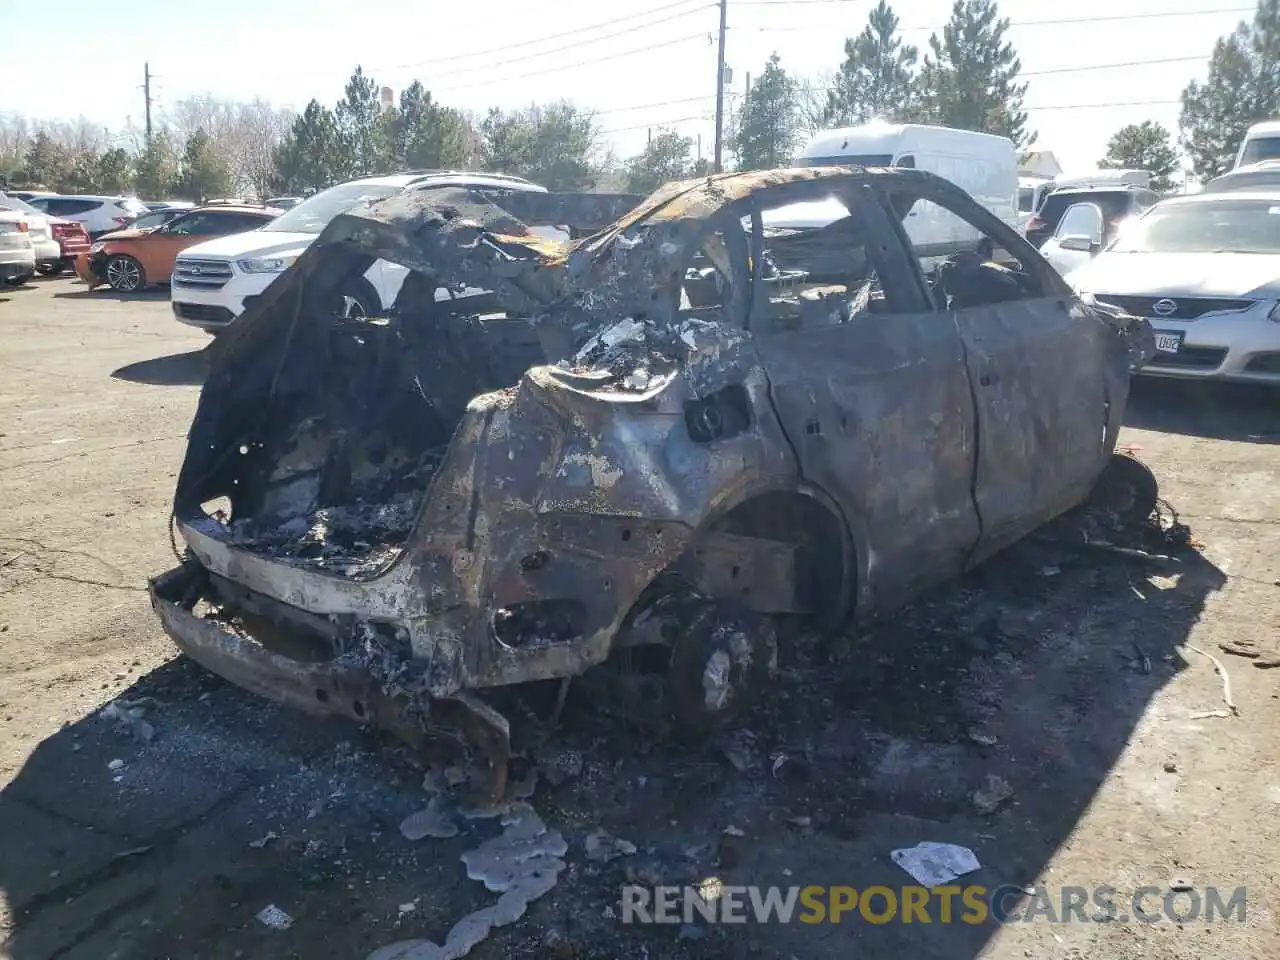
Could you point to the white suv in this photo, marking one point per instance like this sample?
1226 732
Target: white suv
213 282
98 215
17 255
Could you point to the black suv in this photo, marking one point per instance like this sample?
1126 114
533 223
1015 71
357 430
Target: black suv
1116 203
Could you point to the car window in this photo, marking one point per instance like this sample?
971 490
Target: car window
1026 199
148 220
70 206
239 222
1224 225
194 224
13 203
848 160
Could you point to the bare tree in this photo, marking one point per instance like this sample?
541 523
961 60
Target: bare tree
243 135
811 100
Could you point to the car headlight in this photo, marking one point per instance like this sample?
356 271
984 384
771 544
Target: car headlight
1275 313
96 247
266 264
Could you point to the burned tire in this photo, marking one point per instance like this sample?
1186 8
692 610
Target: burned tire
124 274
724 655
1126 488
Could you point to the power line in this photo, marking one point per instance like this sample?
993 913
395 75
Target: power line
664 123
579 63
1012 23
1104 106
1110 66
551 36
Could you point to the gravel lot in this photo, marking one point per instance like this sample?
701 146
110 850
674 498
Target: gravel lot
1068 676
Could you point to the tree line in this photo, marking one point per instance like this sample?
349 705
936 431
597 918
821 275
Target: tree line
967 76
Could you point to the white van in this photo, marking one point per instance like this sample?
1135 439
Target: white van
1105 178
1261 142
984 166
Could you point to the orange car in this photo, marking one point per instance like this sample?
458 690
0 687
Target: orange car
127 260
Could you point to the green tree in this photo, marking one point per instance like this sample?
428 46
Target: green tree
665 158
47 162
970 78
768 125
1143 146
204 173
307 159
362 131
426 135
113 171
553 144
157 168
1243 87
877 78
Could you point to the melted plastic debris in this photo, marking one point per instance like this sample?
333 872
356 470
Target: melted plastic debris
350 540
437 821
522 863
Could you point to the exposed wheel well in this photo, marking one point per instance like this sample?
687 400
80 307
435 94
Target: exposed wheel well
825 580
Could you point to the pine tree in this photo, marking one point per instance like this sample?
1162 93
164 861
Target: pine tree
204 174
157 168
969 79
1242 88
768 125
363 137
1143 146
426 135
308 157
877 78
553 144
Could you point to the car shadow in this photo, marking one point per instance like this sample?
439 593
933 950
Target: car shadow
151 293
1219 411
1036 667
178 369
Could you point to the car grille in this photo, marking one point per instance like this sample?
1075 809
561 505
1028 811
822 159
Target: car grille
1191 358
194 273
1187 308
203 313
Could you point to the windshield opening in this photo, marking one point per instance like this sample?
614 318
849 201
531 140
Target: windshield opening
314 214
1026 199
1228 226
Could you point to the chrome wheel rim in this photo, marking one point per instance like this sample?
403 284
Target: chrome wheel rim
123 275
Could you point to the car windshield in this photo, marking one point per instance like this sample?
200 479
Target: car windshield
1218 226
1260 148
313 215
13 203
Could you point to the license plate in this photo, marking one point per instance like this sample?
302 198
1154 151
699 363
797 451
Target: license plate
1168 342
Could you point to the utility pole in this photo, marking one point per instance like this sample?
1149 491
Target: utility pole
146 92
724 12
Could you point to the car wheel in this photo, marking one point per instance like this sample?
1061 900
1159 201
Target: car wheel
124 274
49 269
722 658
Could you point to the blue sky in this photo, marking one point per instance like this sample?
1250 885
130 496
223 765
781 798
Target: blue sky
289 51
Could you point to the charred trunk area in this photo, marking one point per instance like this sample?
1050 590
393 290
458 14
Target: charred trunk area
322 453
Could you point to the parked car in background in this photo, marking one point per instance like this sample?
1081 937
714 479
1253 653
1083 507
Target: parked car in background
215 281
128 260
17 255
169 205
1264 175
284 203
1116 201
98 214
40 232
1205 270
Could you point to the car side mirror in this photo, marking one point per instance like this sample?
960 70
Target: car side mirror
1078 242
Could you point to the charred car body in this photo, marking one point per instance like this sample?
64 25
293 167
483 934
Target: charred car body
658 436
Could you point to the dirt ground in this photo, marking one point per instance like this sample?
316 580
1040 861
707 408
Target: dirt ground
1068 674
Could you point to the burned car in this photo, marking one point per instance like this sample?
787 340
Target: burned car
658 438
